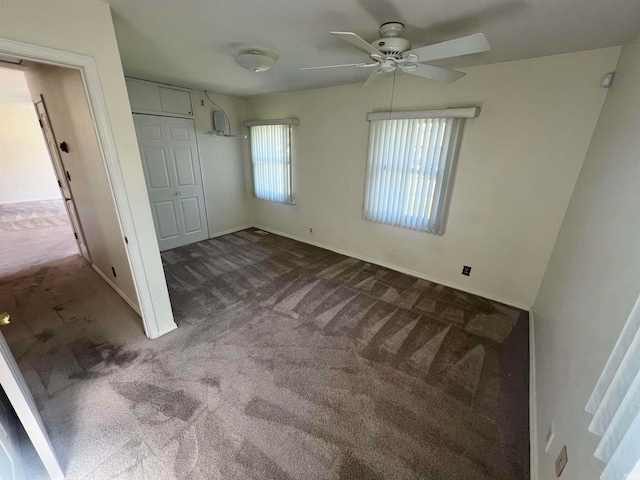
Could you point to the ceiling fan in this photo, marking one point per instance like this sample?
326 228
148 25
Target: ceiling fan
392 52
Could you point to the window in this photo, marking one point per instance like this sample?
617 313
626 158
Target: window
410 167
271 159
615 405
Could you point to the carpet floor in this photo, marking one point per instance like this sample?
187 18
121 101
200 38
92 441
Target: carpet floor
291 362
32 233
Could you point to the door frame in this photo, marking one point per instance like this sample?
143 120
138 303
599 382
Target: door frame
16 389
93 89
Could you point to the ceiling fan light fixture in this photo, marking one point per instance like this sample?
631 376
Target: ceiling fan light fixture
387 66
255 60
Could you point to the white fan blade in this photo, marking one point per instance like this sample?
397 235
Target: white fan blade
433 72
374 78
359 65
355 41
453 48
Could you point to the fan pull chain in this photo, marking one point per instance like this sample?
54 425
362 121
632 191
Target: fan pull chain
393 90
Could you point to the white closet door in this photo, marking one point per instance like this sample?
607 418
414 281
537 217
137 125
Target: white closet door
174 181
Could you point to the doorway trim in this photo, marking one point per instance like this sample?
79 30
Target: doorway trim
24 405
95 97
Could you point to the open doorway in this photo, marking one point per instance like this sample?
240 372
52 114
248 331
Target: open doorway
34 213
57 213
55 198
123 211
86 98
65 277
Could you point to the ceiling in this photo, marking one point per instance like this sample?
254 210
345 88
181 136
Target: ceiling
13 89
193 43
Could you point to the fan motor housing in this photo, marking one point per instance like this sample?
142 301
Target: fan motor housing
392 45
391 42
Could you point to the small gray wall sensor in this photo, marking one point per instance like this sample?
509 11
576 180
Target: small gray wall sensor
219 122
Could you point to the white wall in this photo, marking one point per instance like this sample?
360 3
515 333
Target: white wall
26 172
70 116
85 27
518 164
592 280
223 169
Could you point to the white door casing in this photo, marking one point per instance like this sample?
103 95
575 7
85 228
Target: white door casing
171 165
61 174
19 395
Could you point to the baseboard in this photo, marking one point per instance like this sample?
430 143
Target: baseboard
167 329
226 232
117 290
397 268
533 402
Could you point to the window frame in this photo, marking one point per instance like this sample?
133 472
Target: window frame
286 122
436 222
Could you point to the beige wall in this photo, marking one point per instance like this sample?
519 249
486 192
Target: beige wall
85 27
26 172
223 169
66 102
518 164
592 281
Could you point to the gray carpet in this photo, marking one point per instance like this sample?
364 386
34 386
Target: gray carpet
291 362
33 233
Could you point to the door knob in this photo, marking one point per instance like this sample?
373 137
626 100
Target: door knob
178 193
4 318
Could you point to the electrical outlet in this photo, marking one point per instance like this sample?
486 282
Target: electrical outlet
550 436
202 103
466 270
311 230
561 461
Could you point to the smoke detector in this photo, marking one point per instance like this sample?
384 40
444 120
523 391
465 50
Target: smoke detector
255 60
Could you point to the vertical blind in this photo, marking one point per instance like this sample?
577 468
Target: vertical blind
271 160
410 171
615 405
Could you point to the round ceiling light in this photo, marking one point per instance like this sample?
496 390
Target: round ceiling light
255 60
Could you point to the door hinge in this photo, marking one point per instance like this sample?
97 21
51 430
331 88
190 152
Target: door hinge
75 235
39 120
59 184
126 240
68 175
